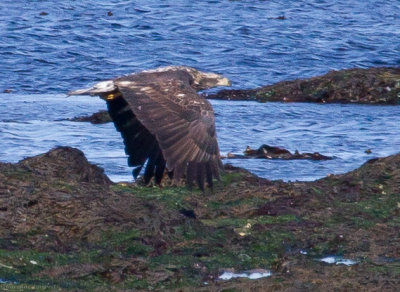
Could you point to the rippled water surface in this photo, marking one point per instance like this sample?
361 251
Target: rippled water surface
32 124
53 46
49 47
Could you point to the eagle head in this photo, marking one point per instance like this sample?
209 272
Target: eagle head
206 80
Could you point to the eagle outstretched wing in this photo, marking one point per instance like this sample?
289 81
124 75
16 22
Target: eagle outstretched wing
164 122
182 123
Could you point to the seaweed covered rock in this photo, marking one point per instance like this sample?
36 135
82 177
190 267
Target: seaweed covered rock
66 163
274 152
100 117
379 85
58 226
58 199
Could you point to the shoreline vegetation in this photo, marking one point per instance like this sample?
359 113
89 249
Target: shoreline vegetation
66 226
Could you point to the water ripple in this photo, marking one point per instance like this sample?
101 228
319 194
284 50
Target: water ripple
242 39
33 124
73 45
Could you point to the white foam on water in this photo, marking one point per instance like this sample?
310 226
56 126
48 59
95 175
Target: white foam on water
250 275
338 261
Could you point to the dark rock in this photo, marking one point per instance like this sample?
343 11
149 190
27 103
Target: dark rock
69 200
69 164
379 85
101 117
273 152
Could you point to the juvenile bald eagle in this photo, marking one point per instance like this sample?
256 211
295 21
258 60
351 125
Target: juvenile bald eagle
164 122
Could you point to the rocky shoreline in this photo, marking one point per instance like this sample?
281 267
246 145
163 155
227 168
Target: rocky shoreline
65 226
380 85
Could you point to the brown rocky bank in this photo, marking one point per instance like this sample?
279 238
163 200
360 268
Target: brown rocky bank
65 226
379 85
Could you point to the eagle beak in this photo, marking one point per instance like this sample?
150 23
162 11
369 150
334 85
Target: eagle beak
97 89
79 91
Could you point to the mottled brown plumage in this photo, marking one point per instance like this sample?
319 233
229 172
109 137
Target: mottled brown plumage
164 122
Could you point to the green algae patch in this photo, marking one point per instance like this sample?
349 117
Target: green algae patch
62 230
49 271
243 222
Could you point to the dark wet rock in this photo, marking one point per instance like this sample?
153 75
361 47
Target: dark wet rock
273 152
101 117
379 85
60 199
66 163
61 218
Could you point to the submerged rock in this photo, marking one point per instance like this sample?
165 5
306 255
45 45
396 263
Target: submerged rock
367 86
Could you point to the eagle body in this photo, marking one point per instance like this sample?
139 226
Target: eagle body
164 123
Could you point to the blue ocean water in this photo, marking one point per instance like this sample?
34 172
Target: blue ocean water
33 124
50 47
74 43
